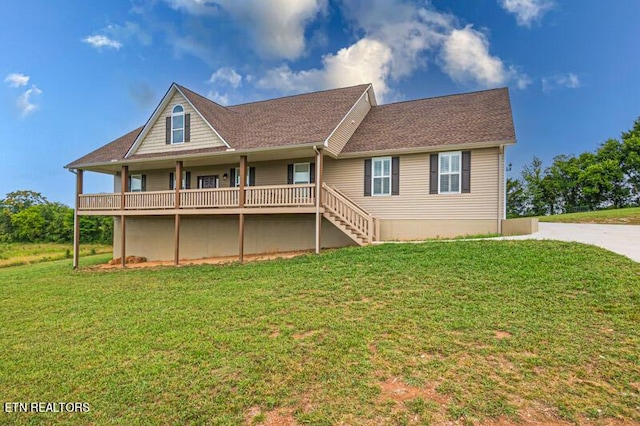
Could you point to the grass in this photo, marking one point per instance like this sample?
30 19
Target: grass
391 334
14 254
626 216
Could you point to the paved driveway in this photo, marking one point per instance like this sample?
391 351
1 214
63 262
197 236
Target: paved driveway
622 239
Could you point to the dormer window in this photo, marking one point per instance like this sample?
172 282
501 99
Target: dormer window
177 124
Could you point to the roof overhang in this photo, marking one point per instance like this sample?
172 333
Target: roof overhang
229 156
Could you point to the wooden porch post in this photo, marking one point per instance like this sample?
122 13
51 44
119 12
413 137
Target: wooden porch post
318 177
124 185
178 186
76 221
243 177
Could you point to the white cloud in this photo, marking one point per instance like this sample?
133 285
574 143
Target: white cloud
276 27
400 38
466 59
191 46
367 61
25 103
100 41
228 76
222 99
558 81
17 80
527 11
195 7
129 30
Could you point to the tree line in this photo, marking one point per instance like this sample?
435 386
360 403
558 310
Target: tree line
27 216
606 178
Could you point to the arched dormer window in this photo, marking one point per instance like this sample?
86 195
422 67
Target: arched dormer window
177 124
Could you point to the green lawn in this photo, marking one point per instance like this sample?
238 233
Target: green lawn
390 334
628 216
13 254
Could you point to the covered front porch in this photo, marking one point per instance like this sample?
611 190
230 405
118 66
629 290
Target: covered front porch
313 198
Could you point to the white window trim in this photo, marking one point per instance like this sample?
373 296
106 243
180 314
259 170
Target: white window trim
199 180
248 179
459 173
373 176
173 114
308 173
184 180
138 177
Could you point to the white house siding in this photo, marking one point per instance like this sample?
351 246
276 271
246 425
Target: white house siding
346 128
201 134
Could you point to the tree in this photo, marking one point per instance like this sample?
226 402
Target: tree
631 161
532 176
610 155
28 225
516 198
17 201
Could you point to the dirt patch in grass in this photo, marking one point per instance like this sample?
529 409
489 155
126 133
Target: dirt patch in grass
502 334
277 417
396 390
221 260
304 335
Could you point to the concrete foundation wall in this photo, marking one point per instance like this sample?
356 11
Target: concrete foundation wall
520 226
418 229
212 236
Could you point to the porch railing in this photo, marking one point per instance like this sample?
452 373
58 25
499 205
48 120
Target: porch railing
255 196
149 200
209 198
99 201
280 195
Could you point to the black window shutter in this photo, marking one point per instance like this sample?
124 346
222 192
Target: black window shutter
289 174
144 183
187 127
232 177
252 176
171 181
187 180
466 172
312 173
433 174
367 177
168 131
129 183
395 175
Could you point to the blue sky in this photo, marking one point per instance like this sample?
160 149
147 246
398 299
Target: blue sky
75 75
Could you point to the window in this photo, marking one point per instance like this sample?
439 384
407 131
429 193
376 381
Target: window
301 173
248 178
209 181
135 183
449 172
185 180
381 176
177 124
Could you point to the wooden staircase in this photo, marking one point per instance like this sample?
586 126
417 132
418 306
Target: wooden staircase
350 218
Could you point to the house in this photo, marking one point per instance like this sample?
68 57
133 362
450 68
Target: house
323 169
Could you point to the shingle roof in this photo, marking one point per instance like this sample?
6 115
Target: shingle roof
448 120
115 150
291 120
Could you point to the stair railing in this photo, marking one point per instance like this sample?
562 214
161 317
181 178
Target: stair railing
352 214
